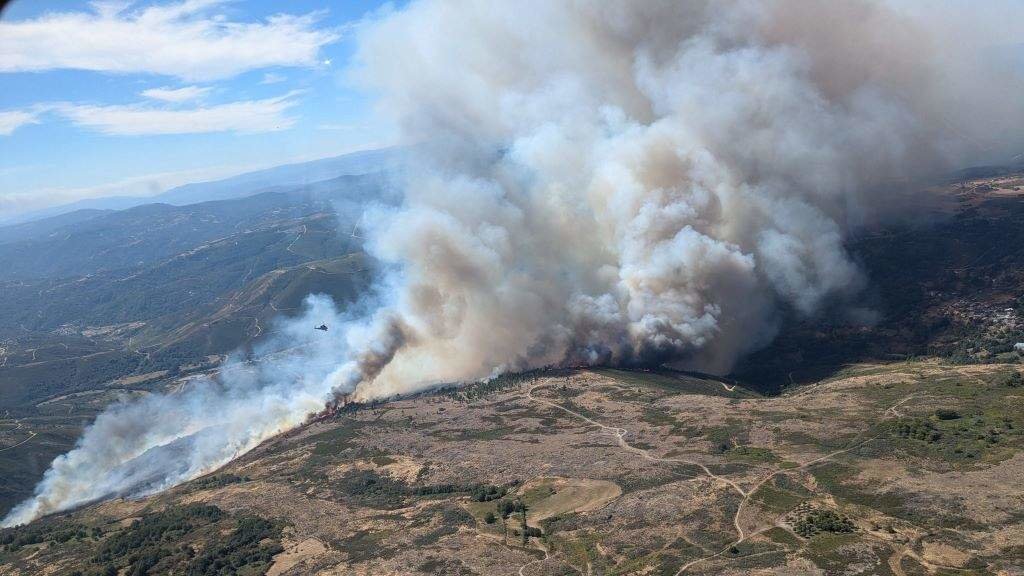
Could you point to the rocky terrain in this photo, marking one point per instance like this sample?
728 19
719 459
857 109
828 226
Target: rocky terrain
908 468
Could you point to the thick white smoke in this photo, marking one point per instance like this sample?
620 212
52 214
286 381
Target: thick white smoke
141 447
607 181
617 181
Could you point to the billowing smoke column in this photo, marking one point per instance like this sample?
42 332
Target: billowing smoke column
604 181
621 181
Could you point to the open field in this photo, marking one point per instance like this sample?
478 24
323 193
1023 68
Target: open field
906 468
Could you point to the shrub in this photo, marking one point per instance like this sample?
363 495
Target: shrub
37 533
218 480
253 544
488 493
1014 380
374 490
509 507
817 521
167 526
918 429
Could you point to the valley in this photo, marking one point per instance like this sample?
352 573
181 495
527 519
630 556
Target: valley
475 288
885 448
191 285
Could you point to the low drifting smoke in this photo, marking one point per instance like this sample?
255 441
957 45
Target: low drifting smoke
140 447
603 182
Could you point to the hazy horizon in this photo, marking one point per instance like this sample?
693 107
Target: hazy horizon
237 87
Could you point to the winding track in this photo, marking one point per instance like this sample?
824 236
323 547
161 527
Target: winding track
31 436
620 434
524 566
19 426
300 235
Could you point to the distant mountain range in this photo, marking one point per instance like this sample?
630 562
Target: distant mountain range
247 184
159 286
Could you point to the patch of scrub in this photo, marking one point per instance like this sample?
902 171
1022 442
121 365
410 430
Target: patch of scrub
548 497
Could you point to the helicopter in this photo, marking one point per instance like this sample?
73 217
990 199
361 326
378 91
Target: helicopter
321 327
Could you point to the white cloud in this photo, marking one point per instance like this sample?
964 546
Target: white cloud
189 40
183 94
135 120
11 120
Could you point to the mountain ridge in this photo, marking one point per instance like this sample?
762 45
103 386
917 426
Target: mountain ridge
239 185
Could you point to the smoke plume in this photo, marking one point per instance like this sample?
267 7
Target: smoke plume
604 182
144 446
619 182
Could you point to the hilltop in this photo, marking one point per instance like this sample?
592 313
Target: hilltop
907 468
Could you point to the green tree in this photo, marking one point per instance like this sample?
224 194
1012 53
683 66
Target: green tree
522 526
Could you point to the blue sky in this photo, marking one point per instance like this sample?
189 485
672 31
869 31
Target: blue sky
121 97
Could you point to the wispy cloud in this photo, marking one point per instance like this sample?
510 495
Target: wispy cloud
11 120
191 40
13 203
265 115
272 78
183 94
